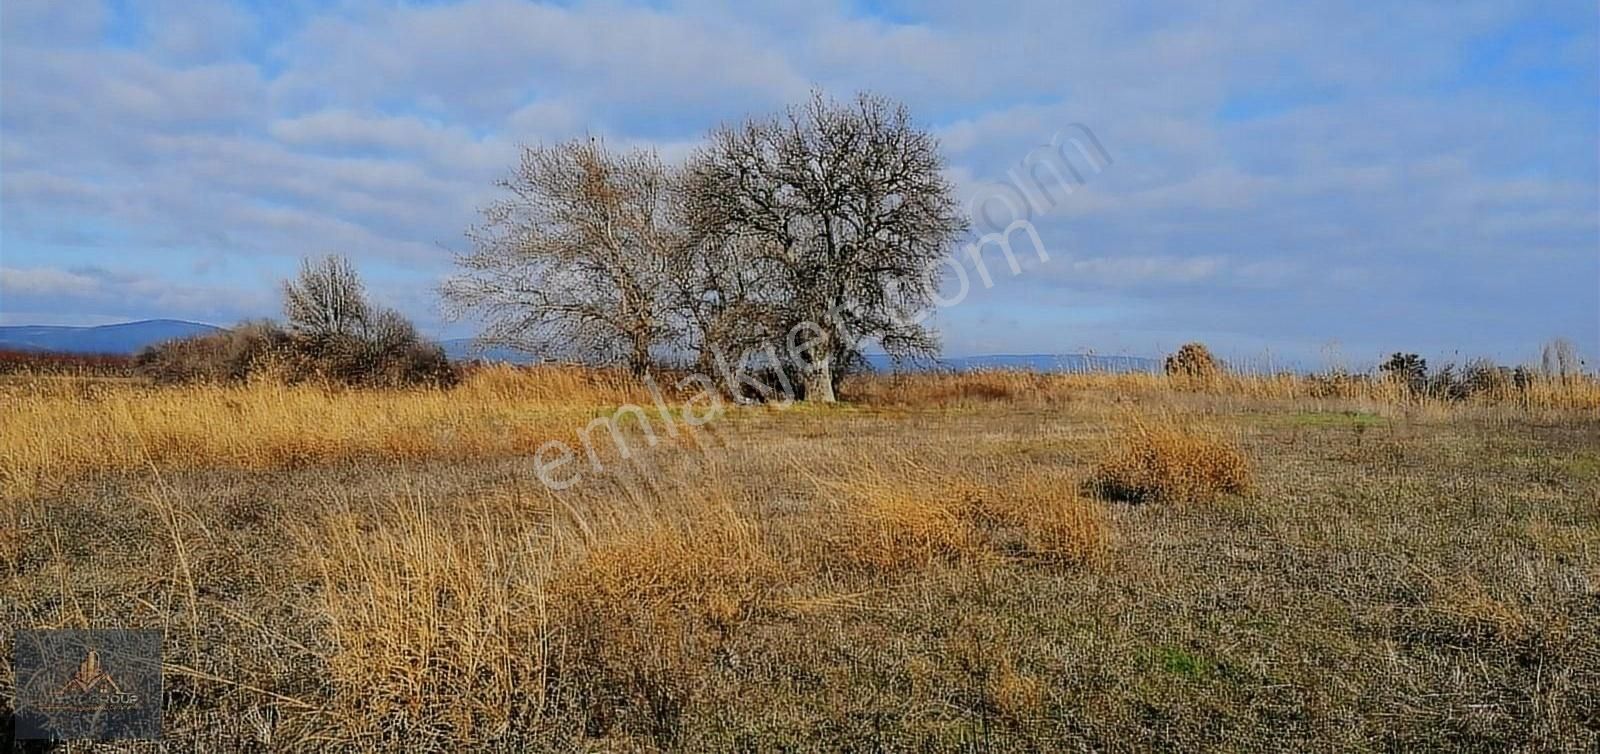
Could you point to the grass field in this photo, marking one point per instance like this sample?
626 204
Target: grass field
995 561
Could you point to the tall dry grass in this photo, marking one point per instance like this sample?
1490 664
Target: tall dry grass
955 389
58 429
465 620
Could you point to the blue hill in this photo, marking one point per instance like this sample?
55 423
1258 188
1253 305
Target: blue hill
122 338
129 337
1034 362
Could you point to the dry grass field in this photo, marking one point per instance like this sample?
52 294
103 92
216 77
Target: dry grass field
997 561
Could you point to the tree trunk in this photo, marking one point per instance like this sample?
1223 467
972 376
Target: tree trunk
819 380
639 360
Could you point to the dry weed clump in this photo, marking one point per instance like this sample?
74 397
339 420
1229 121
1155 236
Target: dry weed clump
1053 520
1162 460
642 615
890 522
468 620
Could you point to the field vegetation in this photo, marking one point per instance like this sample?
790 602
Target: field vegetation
991 560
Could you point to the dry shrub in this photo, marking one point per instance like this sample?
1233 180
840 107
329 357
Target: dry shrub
1192 361
1051 517
925 517
887 524
390 353
1163 460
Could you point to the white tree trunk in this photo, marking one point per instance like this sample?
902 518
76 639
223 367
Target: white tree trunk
819 381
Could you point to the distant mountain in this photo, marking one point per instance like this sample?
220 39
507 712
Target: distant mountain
461 349
1035 362
123 338
129 337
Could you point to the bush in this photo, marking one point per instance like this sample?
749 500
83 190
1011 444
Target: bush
225 356
1171 463
1407 369
263 349
335 335
1193 361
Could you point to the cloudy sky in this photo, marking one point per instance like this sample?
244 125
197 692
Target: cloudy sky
1289 179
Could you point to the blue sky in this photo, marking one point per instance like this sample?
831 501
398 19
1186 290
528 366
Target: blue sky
1312 181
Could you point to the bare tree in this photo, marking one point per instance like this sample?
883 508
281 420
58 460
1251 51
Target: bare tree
844 210
1559 360
574 263
326 299
337 333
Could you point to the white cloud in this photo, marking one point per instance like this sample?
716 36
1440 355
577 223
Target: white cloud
1265 154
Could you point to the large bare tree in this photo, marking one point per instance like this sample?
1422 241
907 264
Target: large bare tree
844 207
574 262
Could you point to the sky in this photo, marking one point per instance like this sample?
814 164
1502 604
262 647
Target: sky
1313 182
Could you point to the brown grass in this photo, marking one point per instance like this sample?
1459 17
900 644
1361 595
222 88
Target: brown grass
1165 460
915 517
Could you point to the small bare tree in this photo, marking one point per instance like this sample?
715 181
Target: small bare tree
1558 360
326 299
574 263
843 210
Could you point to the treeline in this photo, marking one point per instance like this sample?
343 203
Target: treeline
1409 375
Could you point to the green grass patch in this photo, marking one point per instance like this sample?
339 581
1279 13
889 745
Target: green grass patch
1190 665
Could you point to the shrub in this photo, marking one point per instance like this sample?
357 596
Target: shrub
1407 369
889 526
394 356
1167 462
334 335
224 356
1194 361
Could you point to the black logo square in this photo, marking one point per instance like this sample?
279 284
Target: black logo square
100 684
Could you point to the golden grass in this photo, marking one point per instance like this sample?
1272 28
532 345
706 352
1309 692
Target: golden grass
465 617
1164 460
57 428
977 387
62 429
434 617
917 517
957 389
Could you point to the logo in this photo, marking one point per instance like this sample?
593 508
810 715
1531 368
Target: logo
99 684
